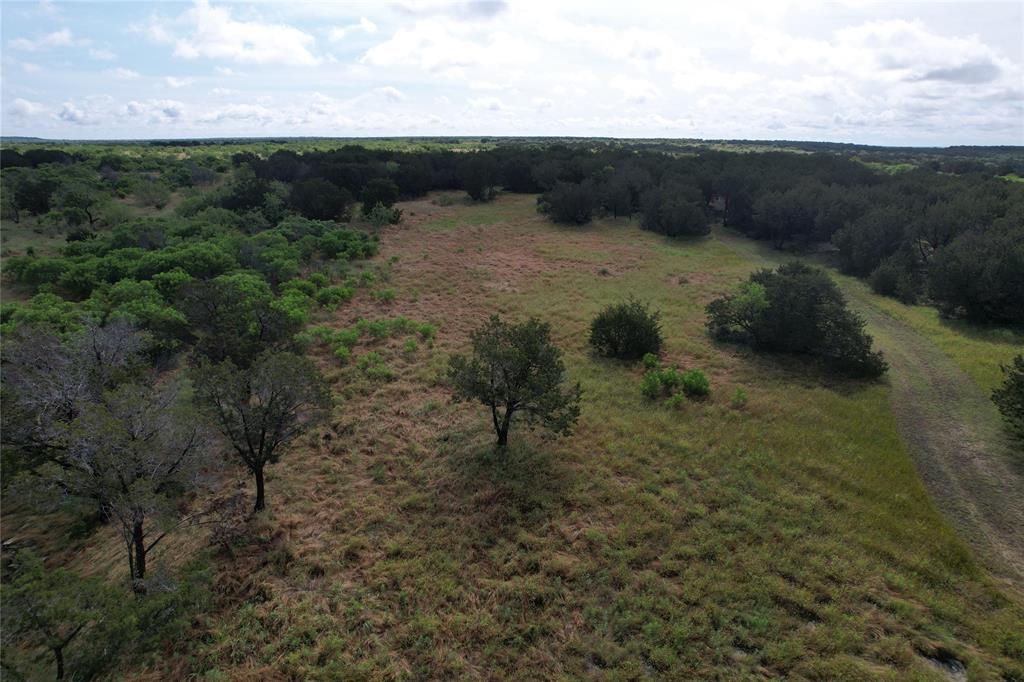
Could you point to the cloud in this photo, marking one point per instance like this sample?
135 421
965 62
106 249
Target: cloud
978 72
23 108
339 33
211 32
486 103
102 54
29 67
442 48
122 74
390 93
72 113
175 82
155 111
637 91
474 10
61 38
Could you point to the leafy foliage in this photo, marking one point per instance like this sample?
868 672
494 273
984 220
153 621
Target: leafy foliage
797 309
516 369
627 330
261 409
1009 397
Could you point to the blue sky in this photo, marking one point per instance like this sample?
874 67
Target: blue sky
899 73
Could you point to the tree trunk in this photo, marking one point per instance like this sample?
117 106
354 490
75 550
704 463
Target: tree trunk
503 429
139 540
260 500
58 655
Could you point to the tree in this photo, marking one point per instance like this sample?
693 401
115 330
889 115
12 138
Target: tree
49 608
319 199
570 202
262 409
1009 397
136 451
379 191
516 369
626 330
674 211
981 275
480 174
47 381
797 309
235 317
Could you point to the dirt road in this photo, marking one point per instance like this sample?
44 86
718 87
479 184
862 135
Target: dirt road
951 429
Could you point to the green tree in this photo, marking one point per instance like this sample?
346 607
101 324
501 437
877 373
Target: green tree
516 369
378 191
797 309
50 608
263 408
1009 397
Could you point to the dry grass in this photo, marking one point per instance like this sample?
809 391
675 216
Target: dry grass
791 538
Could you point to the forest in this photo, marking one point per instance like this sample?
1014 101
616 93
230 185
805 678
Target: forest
180 319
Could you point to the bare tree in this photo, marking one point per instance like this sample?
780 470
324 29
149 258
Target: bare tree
136 451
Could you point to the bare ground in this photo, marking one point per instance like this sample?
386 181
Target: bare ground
951 428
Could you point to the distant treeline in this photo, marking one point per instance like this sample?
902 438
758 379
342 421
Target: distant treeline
949 231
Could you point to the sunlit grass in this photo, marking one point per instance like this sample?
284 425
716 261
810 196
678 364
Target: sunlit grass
790 537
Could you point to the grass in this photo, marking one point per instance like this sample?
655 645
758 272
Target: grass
788 535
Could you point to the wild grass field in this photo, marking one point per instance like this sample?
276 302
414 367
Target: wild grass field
786 537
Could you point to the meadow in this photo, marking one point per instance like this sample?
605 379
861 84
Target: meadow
787 536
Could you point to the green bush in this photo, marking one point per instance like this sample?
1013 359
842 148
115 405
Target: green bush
739 398
797 308
626 331
650 385
1009 397
695 384
650 361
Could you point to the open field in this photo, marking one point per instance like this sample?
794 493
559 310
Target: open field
789 537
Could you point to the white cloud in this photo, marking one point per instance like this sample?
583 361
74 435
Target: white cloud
102 54
23 108
72 113
211 32
225 71
390 93
29 67
636 90
339 33
486 103
175 82
448 50
123 74
61 38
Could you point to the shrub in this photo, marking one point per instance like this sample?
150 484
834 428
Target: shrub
696 384
384 295
650 361
411 346
650 385
342 352
797 309
381 215
739 398
1009 397
626 330
332 297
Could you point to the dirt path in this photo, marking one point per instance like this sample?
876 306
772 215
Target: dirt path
951 428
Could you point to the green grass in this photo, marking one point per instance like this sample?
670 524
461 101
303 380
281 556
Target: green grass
477 215
789 536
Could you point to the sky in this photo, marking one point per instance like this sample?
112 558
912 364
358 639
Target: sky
906 73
